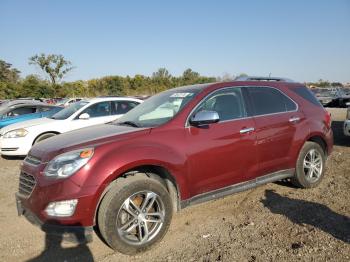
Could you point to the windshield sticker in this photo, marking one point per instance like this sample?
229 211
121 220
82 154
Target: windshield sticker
181 95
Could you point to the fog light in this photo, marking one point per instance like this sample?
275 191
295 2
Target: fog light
64 208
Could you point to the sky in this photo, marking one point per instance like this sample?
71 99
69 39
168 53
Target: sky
298 39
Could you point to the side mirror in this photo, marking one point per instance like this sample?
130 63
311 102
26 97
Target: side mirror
204 118
84 116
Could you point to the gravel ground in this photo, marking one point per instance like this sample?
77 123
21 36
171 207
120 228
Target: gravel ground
274 222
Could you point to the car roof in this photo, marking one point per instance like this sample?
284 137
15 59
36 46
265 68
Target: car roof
102 99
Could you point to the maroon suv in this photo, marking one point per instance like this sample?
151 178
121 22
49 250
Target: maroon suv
180 147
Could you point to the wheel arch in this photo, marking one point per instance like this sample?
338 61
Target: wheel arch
157 172
318 139
47 132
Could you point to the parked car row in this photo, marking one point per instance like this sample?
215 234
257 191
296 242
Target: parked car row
24 124
181 147
332 97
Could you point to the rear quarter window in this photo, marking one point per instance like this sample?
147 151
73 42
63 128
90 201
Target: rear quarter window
305 93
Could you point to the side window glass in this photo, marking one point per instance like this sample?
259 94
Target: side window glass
45 109
268 100
21 111
98 110
290 105
122 107
228 103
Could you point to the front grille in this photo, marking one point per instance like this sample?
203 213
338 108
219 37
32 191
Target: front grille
26 184
32 160
10 149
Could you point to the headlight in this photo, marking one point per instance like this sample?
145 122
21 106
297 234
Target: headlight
67 164
16 133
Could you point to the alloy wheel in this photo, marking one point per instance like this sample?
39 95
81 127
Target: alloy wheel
313 165
140 218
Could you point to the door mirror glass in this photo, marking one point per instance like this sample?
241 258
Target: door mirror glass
84 116
204 118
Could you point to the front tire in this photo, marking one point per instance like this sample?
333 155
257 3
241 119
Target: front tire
310 166
135 214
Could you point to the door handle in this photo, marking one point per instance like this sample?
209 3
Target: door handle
247 130
294 119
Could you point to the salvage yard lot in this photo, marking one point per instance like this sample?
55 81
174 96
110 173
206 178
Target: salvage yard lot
273 222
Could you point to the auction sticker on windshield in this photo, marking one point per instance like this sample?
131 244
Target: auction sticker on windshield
181 95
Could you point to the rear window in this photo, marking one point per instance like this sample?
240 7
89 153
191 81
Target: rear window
305 93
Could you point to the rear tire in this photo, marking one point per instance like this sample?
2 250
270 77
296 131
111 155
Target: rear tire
135 214
310 166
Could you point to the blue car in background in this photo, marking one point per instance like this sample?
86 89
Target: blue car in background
25 111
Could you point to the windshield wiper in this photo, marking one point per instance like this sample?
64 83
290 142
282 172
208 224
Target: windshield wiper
128 123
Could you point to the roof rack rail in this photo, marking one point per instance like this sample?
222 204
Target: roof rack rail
263 78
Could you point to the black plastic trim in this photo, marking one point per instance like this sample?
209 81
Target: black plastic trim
222 192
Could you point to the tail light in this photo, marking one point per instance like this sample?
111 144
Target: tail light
328 119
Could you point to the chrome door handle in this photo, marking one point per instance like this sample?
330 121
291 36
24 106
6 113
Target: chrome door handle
294 119
247 130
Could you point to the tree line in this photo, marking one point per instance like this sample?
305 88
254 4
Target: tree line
55 67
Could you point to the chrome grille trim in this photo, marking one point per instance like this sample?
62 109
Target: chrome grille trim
26 184
32 160
5 149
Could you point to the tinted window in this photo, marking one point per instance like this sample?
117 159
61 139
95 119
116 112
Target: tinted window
305 93
70 110
228 103
267 100
46 108
122 107
98 109
22 111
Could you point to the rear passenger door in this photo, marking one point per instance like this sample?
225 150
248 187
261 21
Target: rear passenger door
276 119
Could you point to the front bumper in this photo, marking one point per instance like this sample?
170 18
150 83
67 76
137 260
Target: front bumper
14 146
73 233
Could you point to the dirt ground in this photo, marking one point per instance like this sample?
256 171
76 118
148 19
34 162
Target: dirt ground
274 222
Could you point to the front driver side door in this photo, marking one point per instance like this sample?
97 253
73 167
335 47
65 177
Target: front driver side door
223 153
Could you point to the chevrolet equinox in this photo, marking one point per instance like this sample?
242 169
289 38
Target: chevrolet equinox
184 146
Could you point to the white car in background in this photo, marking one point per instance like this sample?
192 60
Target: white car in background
17 139
68 101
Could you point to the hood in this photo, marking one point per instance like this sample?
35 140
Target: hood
85 137
26 124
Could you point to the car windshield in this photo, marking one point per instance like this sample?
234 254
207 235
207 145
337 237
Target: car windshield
160 108
68 111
